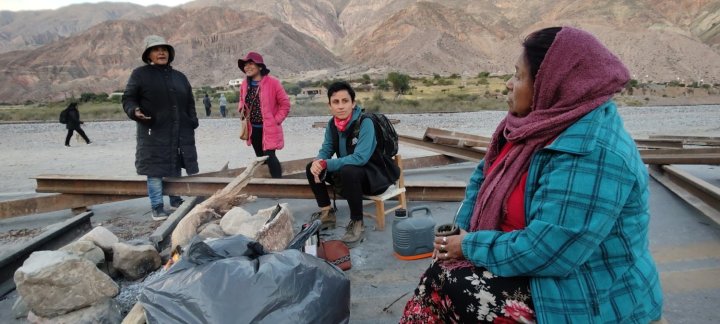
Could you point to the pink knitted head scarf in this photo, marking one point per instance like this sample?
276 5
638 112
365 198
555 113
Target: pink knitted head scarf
577 75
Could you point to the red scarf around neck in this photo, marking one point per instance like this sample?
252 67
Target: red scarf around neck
341 124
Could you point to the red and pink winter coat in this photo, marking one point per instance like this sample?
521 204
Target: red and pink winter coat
274 106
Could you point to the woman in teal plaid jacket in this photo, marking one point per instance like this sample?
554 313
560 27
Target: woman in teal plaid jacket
555 218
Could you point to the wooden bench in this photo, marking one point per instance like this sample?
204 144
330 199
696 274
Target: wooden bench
395 190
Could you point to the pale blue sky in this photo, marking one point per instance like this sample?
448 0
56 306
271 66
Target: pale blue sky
16 5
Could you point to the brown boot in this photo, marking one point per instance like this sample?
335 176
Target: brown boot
354 233
326 217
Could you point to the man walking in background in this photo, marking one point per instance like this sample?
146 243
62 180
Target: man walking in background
208 104
223 105
71 118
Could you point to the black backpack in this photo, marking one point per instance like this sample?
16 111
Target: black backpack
64 116
387 138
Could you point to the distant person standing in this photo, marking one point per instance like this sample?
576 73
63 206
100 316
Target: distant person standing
223 105
264 99
72 123
160 99
208 105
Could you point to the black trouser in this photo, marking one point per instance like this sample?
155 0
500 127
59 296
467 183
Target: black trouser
272 161
353 183
207 111
80 131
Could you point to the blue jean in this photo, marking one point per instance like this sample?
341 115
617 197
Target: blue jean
155 188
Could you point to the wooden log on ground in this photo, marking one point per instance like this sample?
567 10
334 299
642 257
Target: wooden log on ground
136 315
214 207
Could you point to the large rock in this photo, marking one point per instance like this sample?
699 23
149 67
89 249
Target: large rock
102 237
106 312
134 262
239 221
86 250
278 231
211 230
56 282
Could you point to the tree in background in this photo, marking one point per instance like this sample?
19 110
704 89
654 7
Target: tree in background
292 89
400 82
93 97
382 84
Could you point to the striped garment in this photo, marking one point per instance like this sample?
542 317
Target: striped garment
585 246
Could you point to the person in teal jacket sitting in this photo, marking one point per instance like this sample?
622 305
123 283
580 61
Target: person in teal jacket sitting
358 167
554 223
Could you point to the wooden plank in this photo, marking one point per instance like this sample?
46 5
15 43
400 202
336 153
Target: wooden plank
659 143
431 132
690 140
684 152
429 161
650 158
468 154
54 202
136 315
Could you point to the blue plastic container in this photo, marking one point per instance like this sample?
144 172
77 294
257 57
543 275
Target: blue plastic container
413 235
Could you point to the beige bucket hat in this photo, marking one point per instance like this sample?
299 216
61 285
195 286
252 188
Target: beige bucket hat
155 40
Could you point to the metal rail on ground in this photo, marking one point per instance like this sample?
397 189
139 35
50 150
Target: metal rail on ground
700 194
206 186
60 201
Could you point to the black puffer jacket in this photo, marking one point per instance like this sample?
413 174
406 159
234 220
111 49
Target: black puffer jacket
73 118
165 95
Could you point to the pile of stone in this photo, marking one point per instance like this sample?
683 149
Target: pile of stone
75 283
272 227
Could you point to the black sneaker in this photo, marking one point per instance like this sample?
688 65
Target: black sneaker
176 203
159 213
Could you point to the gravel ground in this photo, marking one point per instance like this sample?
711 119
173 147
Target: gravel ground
32 149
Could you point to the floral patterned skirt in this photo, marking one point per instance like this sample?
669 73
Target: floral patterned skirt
469 295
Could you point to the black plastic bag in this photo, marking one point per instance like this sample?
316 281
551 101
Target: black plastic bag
230 280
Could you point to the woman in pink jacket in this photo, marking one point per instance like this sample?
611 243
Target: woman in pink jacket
267 105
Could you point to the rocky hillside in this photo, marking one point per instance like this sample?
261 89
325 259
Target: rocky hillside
659 40
31 29
207 50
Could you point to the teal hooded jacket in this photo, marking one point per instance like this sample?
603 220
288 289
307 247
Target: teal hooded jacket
585 247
